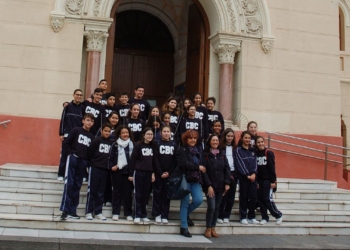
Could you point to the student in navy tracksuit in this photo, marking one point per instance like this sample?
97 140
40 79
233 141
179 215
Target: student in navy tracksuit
267 181
98 153
96 109
164 159
123 107
252 128
228 145
71 117
76 146
144 104
118 163
110 105
214 115
135 123
191 122
141 172
202 114
246 164
174 111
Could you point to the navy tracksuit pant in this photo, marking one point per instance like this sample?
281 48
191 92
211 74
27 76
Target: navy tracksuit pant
229 199
96 189
266 201
161 203
75 172
108 190
122 193
63 162
247 198
142 183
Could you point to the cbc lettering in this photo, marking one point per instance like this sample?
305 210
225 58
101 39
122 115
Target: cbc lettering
262 160
108 111
173 119
104 148
135 127
192 125
82 139
123 112
166 150
92 111
199 115
212 117
142 107
147 152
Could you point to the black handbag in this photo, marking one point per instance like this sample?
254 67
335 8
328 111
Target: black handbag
177 187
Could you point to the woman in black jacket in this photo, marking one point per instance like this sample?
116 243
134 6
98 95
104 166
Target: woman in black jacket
189 160
216 181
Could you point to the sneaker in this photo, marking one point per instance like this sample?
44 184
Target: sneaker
263 222
253 221
137 220
220 221
64 216
165 221
84 179
101 217
244 222
115 217
279 220
158 219
89 216
146 219
108 204
73 216
226 220
129 218
60 178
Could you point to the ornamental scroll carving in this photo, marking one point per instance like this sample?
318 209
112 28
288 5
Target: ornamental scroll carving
232 15
266 44
57 23
226 52
97 7
250 7
95 39
74 7
253 25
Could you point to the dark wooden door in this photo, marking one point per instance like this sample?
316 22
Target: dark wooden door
155 71
196 49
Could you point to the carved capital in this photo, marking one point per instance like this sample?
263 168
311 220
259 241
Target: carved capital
74 7
95 39
57 23
226 52
267 44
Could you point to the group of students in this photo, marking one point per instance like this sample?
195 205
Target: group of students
131 148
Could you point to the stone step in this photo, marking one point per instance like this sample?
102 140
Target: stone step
51 222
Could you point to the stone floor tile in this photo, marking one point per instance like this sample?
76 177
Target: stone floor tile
159 237
1 230
91 235
56 234
126 236
195 238
20 232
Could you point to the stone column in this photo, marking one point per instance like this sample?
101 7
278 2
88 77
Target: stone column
95 40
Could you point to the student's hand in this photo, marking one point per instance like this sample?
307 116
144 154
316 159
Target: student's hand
211 193
202 169
153 177
89 99
252 178
61 137
257 186
227 187
65 104
165 175
273 185
130 178
115 168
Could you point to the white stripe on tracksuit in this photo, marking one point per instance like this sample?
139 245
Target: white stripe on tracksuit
65 182
88 191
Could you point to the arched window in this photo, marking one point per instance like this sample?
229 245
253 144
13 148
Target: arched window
341 30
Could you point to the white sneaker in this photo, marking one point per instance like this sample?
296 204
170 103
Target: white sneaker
137 220
108 204
101 217
263 222
158 219
146 219
89 216
220 221
115 217
60 178
165 221
253 221
244 222
129 218
226 220
279 221
84 179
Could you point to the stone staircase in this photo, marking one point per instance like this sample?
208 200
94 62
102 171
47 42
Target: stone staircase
30 197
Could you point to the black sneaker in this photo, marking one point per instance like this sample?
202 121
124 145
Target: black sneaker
64 216
74 216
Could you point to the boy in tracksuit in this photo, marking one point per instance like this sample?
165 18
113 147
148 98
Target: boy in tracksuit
123 108
76 146
110 106
96 109
98 154
71 117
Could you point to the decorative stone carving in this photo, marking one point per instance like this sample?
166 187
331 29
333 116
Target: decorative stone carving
57 23
226 52
75 7
95 39
232 15
253 25
250 7
267 44
97 7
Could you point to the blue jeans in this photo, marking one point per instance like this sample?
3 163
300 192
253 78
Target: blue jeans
213 209
185 207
